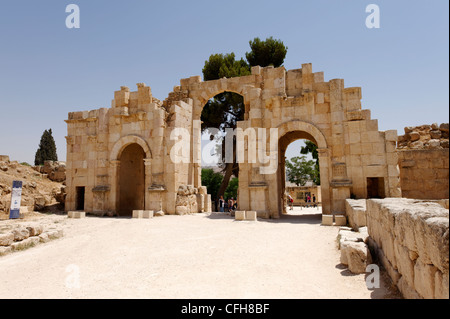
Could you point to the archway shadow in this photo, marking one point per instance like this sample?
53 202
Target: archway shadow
219 215
311 219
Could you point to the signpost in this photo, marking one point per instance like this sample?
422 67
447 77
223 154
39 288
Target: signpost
16 197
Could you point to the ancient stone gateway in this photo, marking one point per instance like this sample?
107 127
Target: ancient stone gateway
135 140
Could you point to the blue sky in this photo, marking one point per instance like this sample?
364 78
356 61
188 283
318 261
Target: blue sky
47 70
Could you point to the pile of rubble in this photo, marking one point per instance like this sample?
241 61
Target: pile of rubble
16 237
39 193
433 136
55 171
355 253
191 200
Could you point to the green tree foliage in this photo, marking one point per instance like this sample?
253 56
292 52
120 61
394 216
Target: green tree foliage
311 148
46 150
226 109
224 65
265 53
232 188
212 181
299 170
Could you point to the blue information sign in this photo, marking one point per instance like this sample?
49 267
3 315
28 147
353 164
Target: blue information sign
16 197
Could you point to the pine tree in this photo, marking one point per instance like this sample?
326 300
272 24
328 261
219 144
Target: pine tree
46 150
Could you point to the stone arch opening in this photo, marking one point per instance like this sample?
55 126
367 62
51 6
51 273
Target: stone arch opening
220 114
120 145
131 180
288 133
306 196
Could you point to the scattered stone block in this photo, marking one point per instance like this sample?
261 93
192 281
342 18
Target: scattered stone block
327 220
239 215
35 230
6 239
24 244
251 216
138 214
76 214
55 234
43 238
147 214
159 213
356 256
182 210
340 220
21 234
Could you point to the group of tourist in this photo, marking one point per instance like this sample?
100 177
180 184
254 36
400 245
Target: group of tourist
307 201
227 206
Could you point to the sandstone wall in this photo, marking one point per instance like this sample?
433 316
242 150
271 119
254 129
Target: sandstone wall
411 240
423 157
355 210
424 174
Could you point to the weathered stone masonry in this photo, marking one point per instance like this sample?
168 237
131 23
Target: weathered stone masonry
355 158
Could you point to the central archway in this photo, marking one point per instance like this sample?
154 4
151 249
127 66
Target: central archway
219 119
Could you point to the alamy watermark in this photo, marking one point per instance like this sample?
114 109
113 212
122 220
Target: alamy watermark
373 19
73 19
259 144
373 277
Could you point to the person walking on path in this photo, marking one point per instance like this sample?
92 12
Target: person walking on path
221 204
291 201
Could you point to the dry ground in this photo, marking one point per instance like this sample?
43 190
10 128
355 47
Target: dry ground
198 256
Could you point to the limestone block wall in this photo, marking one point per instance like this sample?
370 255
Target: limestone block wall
411 240
355 210
96 145
301 104
432 136
96 140
354 156
423 157
424 174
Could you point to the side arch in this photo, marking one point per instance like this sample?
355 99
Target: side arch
294 130
123 142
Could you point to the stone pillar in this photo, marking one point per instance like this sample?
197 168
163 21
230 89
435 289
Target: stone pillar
147 182
324 163
197 152
114 168
393 170
70 197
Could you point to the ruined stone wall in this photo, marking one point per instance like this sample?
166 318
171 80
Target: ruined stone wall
356 212
411 240
423 156
300 104
355 157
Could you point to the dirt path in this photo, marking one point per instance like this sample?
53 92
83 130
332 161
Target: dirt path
199 256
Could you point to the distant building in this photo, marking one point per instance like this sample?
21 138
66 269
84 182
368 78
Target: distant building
300 193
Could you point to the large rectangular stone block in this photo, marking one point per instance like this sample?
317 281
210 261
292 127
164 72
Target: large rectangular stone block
340 220
76 214
147 214
239 215
251 215
327 220
138 214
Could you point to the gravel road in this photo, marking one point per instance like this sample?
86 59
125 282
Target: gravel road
197 256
